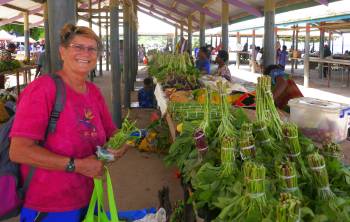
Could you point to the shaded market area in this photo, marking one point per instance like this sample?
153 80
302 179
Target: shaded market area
241 113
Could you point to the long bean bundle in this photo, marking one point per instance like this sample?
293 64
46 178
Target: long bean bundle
290 132
288 209
320 176
288 178
246 141
228 145
129 131
332 151
263 138
265 107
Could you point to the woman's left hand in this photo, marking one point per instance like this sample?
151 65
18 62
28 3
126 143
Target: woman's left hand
118 153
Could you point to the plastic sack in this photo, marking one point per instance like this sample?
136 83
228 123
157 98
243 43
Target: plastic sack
160 216
132 215
96 201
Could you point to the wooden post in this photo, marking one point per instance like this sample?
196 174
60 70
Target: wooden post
189 39
107 41
176 38
182 29
269 35
296 44
26 36
47 68
238 55
253 56
293 47
127 57
202 30
115 63
306 56
224 24
321 50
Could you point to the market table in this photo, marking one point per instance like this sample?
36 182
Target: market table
25 70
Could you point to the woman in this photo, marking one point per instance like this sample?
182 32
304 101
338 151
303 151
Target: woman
221 59
65 167
203 63
283 88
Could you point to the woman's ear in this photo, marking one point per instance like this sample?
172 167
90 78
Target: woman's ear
62 51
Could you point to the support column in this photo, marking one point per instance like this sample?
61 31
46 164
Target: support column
115 63
269 35
321 50
342 43
175 39
293 47
330 40
107 41
100 36
307 56
182 30
224 24
238 55
296 44
253 56
90 13
189 40
26 36
127 56
47 68
202 30
211 39
57 18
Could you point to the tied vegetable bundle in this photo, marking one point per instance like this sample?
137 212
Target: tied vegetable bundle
227 156
265 108
128 132
320 176
288 178
290 132
288 209
201 142
246 142
263 138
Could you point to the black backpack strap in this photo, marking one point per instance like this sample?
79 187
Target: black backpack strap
60 100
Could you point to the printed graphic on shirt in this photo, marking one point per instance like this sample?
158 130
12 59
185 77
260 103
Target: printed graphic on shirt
87 127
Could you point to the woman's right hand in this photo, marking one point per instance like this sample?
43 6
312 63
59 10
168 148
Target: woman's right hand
90 167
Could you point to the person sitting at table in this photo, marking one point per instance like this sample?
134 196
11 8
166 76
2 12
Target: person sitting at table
6 55
283 88
223 70
203 63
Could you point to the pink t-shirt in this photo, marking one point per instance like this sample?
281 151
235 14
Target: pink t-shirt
84 123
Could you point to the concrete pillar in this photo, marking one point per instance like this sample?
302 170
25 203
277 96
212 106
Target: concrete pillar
47 68
57 18
224 24
107 41
253 58
238 55
115 63
26 36
321 50
100 36
296 44
307 56
127 55
202 30
190 34
269 35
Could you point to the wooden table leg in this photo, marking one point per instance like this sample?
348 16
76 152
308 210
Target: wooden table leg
24 77
29 76
17 80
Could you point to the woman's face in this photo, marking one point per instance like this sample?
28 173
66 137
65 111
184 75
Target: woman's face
80 56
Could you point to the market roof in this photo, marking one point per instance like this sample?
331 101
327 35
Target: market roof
170 11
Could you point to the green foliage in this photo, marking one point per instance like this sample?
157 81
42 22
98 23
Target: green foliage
35 33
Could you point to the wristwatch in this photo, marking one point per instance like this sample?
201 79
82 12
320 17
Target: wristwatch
70 166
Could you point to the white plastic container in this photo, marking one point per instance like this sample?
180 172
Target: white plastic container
320 120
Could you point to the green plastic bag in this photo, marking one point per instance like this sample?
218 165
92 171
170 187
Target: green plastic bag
97 201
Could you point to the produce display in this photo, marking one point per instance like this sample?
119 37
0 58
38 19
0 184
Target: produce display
9 65
265 170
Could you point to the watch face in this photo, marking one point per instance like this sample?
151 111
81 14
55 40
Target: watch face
70 167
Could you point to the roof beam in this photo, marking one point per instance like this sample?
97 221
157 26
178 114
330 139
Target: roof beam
199 8
246 7
171 10
15 8
159 18
323 2
4 1
19 16
158 12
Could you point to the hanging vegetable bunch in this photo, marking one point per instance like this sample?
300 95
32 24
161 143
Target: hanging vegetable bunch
246 142
128 132
265 108
290 132
288 178
288 209
201 142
